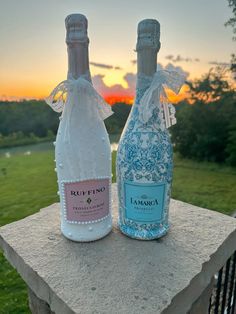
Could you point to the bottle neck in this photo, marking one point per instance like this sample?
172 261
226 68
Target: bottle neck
147 64
78 61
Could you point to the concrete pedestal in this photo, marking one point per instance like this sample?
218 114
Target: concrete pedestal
117 274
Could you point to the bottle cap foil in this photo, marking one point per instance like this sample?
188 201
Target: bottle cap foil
148 35
76 29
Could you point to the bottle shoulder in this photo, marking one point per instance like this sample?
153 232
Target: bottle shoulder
145 156
144 153
134 123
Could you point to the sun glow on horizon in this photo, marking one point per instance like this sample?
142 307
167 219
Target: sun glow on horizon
110 98
119 99
175 98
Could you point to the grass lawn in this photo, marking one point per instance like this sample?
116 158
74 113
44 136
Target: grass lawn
28 183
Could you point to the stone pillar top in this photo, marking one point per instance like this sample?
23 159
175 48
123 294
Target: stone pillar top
118 274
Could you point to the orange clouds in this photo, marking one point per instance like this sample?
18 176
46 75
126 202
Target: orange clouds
177 98
123 92
116 93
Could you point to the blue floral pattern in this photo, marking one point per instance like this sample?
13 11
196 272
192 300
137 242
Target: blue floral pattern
144 156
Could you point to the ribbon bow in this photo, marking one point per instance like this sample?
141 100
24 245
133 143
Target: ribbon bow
155 96
77 87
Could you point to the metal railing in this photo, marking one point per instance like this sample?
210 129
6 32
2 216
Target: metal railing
223 297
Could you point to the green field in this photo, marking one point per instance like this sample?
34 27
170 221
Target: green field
28 183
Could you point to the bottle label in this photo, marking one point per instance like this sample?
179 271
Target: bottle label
144 202
86 201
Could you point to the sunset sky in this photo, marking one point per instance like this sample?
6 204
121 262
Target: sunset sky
33 55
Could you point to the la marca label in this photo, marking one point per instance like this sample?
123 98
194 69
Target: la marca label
144 202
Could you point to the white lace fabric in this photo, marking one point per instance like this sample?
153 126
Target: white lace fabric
155 96
79 88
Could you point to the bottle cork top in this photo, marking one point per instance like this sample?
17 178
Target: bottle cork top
76 29
148 35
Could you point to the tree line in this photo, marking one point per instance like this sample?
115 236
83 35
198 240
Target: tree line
206 128
33 121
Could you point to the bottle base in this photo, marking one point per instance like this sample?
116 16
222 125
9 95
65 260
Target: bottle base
86 232
143 234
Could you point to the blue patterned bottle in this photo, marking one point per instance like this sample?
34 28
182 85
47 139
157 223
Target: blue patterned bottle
144 157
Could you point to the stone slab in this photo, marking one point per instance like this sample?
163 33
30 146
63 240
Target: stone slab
117 274
36 305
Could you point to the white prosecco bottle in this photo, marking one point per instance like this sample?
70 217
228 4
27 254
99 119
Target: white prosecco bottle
82 147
